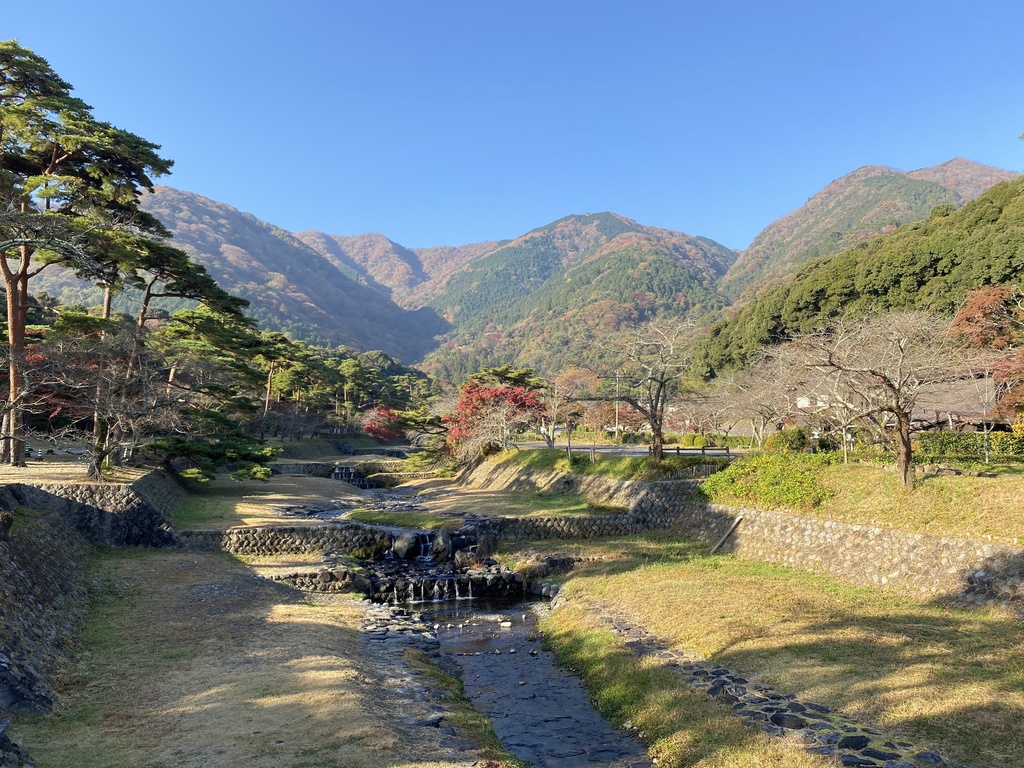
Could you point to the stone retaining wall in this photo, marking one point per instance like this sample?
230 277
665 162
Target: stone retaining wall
303 468
866 555
342 538
646 506
42 598
106 513
858 554
42 589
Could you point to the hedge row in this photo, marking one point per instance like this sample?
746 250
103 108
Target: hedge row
968 445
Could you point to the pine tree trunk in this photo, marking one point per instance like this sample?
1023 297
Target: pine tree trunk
5 443
14 439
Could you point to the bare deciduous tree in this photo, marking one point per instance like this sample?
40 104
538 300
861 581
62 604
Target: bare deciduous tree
560 400
764 394
879 365
656 361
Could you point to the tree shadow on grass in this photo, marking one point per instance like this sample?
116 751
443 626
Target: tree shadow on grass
189 659
932 672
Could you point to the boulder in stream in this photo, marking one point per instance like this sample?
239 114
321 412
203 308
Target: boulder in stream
407 545
486 545
441 546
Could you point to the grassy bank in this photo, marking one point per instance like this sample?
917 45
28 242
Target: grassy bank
640 468
936 675
942 505
187 660
681 727
226 502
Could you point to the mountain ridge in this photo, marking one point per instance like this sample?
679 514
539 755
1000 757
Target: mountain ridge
549 298
868 202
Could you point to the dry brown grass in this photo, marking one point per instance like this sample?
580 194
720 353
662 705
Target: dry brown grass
682 727
937 675
190 661
226 503
62 469
952 505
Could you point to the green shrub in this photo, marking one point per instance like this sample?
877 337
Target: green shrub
694 440
785 441
772 480
931 446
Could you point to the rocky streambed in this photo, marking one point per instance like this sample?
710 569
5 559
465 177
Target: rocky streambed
445 593
541 712
445 590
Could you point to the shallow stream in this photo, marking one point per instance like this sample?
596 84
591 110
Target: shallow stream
540 712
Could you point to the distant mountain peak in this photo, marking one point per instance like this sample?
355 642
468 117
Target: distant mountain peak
871 201
965 177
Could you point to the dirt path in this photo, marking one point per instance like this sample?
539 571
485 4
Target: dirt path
191 660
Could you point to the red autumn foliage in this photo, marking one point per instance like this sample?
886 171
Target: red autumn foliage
487 414
383 424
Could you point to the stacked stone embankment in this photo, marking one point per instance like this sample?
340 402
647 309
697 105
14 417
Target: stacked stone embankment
864 555
644 506
43 594
302 468
42 599
115 514
342 537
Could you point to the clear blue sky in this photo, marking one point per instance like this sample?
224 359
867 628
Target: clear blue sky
444 123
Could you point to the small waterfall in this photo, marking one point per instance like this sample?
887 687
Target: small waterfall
436 592
457 595
351 476
396 594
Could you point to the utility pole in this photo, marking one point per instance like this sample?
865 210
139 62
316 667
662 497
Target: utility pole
616 406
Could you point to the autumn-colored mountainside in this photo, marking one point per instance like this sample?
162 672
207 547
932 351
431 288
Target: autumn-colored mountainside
441 262
869 202
555 296
926 265
291 287
549 298
411 277
965 177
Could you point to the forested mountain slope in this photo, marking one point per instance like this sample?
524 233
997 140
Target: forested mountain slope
927 265
871 201
411 277
548 298
291 287
555 296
